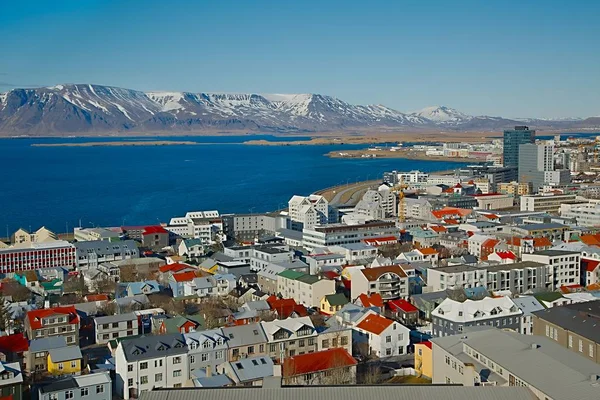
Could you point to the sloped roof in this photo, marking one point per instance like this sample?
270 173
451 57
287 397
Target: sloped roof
589 265
67 353
35 316
338 299
184 276
373 274
14 343
317 361
403 305
374 300
374 323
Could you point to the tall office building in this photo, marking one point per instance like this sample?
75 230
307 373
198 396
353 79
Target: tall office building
536 166
512 140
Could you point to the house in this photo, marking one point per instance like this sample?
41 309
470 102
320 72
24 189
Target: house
286 308
13 347
56 321
36 358
181 324
502 257
520 246
332 303
424 237
573 326
148 362
11 381
390 281
497 357
428 254
115 327
452 317
244 341
381 337
488 247
373 301
353 252
303 288
288 337
65 361
590 271
145 287
249 371
166 271
551 231
137 302
332 366
207 349
155 237
404 311
191 248
267 278
96 385
424 359
528 305
552 299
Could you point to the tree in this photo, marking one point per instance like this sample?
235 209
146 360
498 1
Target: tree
105 285
75 284
167 303
393 250
372 375
340 373
16 291
129 273
108 308
5 316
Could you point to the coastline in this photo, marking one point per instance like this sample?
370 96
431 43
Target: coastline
118 144
405 154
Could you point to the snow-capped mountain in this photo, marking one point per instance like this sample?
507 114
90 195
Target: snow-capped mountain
96 109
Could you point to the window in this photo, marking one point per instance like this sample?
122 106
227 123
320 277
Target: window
401 336
311 342
130 382
250 349
99 388
325 343
261 348
144 365
53 396
144 379
129 367
158 378
176 360
84 392
580 346
192 359
61 366
219 355
204 357
158 363
388 339
69 394
344 340
447 360
388 352
176 373
73 364
591 350
301 343
570 341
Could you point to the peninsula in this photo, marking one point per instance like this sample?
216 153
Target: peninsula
119 144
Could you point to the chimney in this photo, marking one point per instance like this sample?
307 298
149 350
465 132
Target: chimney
208 371
277 370
535 346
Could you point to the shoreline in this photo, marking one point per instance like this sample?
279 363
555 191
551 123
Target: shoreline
118 144
389 154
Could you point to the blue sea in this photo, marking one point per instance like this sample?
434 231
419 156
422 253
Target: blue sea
110 186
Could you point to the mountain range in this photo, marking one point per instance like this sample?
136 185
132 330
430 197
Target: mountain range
72 109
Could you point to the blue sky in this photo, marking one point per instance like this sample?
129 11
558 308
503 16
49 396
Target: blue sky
509 58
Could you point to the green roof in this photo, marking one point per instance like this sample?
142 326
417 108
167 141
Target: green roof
548 296
310 279
173 324
288 273
337 299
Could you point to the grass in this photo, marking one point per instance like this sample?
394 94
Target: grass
410 380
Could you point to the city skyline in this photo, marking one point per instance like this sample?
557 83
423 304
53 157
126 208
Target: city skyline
511 59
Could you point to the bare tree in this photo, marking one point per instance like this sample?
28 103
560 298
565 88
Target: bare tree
15 290
129 273
167 303
105 285
340 373
75 284
108 308
372 375
393 250
267 316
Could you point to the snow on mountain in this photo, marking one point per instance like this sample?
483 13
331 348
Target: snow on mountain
81 108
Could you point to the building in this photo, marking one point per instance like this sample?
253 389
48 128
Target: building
513 139
308 211
379 336
245 340
496 357
528 305
65 361
97 385
191 248
94 234
207 349
565 265
494 201
586 214
456 277
289 337
514 188
11 381
36 358
356 251
265 255
339 234
251 371
150 362
521 277
56 321
303 288
574 327
115 327
155 237
390 281
248 227
204 225
534 161
37 255
424 359
452 317
332 303
332 366
552 231
92 254
548 203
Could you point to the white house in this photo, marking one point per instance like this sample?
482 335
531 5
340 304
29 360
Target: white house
381 337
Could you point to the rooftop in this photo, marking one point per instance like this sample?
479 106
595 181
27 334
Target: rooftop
318 361
374 323
580 318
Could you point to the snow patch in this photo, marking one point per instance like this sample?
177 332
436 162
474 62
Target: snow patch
123 110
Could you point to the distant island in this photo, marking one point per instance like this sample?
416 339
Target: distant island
119 144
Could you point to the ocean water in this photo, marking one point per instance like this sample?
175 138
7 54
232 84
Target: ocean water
110 186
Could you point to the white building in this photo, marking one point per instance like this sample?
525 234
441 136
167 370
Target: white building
545 202
565 265
262 256
303 288
149 362
117 326
355 251
204 225
337 234
475 242
586 214
528 305
382 336
308 211
455 277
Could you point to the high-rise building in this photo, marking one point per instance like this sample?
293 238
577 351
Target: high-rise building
536 166
512 140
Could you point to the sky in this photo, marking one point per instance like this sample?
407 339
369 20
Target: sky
501 58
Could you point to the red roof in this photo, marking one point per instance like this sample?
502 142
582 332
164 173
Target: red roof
149 230
590 240
375 300
403 305
589 265
506 255
96 297
427 251
490 243
347 283
438 229
16 343
486 194
35 316
541 242
286 307
317 361
175 267
375 323
184 276
490 216
380 240
426 343
332 275
451 222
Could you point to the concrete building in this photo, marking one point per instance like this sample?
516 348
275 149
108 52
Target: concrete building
495 357
452 317
36 356
116 326
547 203
380 336
355 252
338 234
494 201
528 305
290 337
534 161
149 362
204 225
552 231
515 188
91 254
155 237
308 211
586 214
304 289
521 277
244 341
513 139
456 277
264 255
56 321
248 227
565 265
574 327
93 234
207 349
97 385
390 281
37 255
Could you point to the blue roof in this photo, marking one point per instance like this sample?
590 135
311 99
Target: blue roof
136 287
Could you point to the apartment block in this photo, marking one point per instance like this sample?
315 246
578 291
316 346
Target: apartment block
115 327
290 337
92 254
96 385
390 281
34 255
339 234
456 277
56 321
565 265
305 289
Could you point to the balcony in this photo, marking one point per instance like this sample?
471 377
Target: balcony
390 295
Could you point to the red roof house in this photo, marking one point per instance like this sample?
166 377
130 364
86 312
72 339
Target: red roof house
374 300
314 368
374 323
285 308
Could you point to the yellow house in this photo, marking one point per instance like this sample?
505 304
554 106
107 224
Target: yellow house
332 303
424 359
65 361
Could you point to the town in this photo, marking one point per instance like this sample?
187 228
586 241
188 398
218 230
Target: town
477 283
